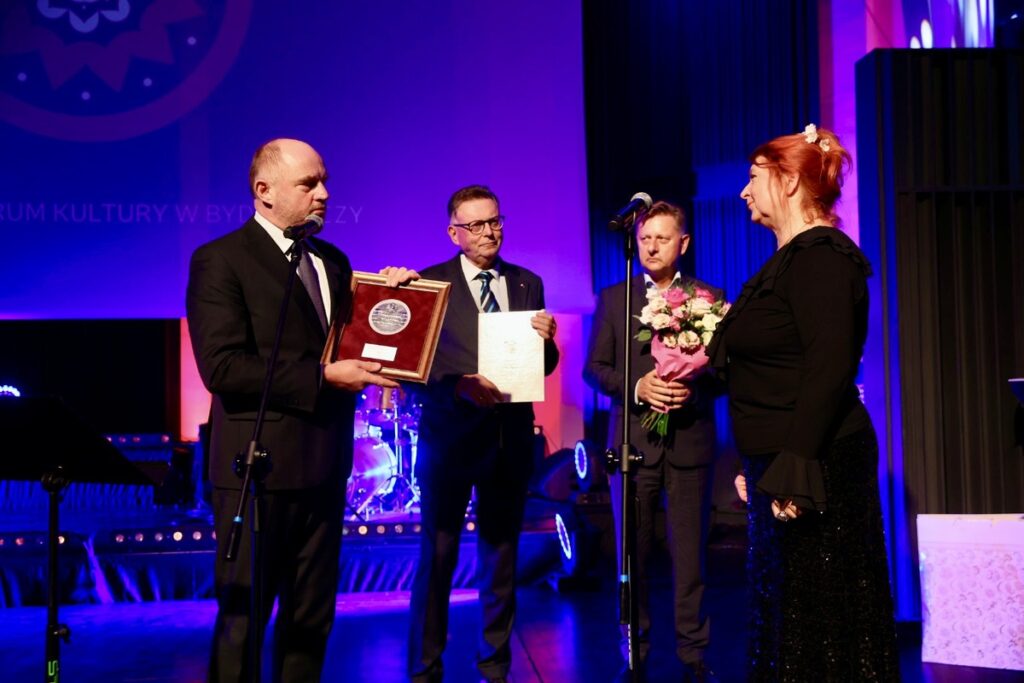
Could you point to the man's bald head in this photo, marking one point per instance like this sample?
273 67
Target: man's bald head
287 179
266 162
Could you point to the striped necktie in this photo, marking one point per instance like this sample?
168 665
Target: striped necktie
488 302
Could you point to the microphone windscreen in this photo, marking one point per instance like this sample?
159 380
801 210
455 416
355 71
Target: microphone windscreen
644 197
319 223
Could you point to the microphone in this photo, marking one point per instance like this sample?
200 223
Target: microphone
312 225
641 201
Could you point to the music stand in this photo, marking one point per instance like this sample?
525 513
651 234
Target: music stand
43 440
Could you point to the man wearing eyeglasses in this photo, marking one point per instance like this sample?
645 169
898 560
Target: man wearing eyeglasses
470 438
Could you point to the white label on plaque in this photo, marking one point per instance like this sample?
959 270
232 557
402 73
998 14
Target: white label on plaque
390 316
379 352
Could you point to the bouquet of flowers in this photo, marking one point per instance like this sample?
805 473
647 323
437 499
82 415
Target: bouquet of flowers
679 322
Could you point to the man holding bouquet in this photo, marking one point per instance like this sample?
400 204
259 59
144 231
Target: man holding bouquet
671 415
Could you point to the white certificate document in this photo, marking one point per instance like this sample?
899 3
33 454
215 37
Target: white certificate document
512 355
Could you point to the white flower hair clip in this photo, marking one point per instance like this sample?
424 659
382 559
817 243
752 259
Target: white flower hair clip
811 136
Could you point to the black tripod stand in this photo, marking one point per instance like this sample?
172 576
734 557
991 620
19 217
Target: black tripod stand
625 457
44 441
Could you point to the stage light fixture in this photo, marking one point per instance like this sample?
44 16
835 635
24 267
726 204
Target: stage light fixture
177 535
363 530
140 537
580 457
119 538
578 543
564 539
10 390
399 528
470 526
381 529
158 536
197 535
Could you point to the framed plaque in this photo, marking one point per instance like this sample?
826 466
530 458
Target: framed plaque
396 327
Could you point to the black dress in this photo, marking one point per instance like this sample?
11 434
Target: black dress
821 608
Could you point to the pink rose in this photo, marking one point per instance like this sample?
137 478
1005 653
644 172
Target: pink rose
674 296
704 294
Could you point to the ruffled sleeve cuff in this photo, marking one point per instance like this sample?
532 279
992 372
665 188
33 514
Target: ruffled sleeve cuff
791 477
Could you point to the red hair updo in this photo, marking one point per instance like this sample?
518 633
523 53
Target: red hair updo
817 158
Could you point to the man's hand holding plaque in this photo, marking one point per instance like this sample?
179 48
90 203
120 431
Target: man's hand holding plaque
394 321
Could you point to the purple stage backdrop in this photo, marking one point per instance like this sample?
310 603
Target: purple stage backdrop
128 127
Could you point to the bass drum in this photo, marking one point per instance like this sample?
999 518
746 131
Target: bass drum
374 468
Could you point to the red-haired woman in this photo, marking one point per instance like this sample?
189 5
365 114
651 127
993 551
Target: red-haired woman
790 349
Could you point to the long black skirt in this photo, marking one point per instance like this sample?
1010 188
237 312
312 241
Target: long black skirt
821 606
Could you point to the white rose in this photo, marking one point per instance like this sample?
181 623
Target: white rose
689 340
699 306
710 322
646 315
670 341
705 337
657 302
661 321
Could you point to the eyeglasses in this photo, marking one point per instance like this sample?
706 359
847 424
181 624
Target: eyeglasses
477 227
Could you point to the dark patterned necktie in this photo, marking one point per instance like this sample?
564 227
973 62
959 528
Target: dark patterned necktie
311 281
488 302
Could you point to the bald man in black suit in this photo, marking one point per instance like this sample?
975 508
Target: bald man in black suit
235 291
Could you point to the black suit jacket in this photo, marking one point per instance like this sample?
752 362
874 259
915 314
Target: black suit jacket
235 290
691 437
455 425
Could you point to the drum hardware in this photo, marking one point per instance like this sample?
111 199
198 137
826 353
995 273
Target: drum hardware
385 434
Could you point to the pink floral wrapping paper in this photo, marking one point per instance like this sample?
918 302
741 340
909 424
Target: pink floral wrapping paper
972 589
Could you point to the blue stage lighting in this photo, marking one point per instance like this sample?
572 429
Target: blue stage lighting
582 463
564 539
10 390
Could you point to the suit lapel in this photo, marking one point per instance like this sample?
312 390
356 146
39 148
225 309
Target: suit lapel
462 296
266 252
517 288
639 296
641 351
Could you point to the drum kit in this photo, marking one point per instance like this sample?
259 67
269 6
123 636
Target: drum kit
383 480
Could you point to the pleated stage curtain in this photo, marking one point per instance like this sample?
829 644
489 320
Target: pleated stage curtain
941 150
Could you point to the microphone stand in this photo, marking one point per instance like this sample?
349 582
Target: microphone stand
624 459
252 466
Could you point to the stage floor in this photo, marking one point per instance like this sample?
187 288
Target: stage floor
568 637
